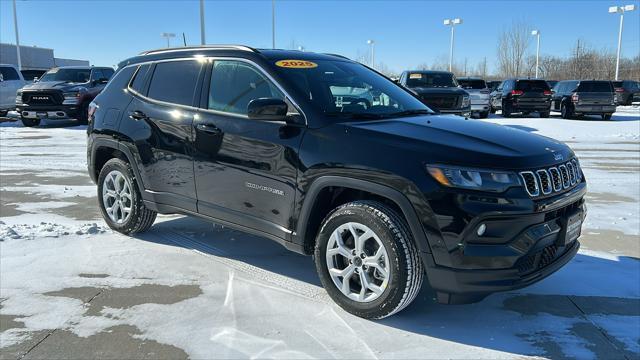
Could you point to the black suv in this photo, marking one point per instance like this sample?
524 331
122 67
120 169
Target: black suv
61 93
438 90
522 96
330 158
626 90
587 97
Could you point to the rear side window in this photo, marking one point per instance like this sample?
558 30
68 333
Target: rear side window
595 86
472 84
8 73
119 82
140 78
175 81
235 83
532 85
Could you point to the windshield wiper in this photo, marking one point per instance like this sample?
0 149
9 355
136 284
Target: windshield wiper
411 112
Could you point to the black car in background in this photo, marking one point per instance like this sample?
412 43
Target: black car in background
61 93
584 97
552 83
522 96
625 91
493 84
439 90
381 190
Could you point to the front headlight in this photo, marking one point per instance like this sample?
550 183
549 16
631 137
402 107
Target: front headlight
19 97
71 98
475 179
465 101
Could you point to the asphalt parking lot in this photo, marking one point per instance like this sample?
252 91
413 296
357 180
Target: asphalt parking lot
72 288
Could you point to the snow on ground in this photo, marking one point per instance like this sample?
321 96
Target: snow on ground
211 292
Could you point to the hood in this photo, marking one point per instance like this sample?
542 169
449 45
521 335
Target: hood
439 90
453 140
52 85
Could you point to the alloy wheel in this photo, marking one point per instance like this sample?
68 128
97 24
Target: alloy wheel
116 197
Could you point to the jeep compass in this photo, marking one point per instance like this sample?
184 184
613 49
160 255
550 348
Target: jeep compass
330 158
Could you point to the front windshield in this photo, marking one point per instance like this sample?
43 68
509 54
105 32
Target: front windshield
67 75
431 80
342 88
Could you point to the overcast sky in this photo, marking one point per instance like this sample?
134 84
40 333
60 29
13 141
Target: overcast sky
407 33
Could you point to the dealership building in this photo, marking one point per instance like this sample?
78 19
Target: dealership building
35 59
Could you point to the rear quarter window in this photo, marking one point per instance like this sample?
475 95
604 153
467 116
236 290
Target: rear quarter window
140 78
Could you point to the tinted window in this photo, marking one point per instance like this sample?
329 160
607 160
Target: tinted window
108 73
617 84
9 73
431 80
96 74
472 84
234 84
140 78
532 85
118 83
67 74
175 81
595 86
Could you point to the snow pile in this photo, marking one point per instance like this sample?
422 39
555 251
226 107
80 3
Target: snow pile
47 230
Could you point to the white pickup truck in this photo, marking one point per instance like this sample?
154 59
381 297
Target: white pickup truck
10 81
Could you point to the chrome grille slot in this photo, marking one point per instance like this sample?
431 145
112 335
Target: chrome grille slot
530 183
565 176
545 181
552 180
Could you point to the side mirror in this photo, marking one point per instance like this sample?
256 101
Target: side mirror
270 109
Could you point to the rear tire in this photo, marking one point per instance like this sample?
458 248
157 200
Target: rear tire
606 116
386 260
565 112
544 114
30 122
483 115
506 109
116 176
83 114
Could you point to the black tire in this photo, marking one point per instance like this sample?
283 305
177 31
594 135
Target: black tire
30 122
140 218
483 114
606 116
83 114
565 111
4 113
544 114
492 110
405 268
506 109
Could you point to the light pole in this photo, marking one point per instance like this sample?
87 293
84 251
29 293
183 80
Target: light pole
620 10
273 24
15 25
536 33
202 39
373 58
452 23
168 36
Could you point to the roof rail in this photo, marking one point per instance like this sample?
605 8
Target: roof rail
204 47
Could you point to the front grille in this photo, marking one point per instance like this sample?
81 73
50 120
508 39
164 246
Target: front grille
538 260
552 180
42 98
441 102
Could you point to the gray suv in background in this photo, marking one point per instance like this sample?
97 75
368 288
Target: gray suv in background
479 93
574 98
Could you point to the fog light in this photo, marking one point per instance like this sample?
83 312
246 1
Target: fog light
481 229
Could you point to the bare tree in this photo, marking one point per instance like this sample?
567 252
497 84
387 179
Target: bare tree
512 47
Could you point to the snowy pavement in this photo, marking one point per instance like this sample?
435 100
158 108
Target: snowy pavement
71 288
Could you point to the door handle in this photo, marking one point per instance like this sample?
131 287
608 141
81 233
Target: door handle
138 115
209 129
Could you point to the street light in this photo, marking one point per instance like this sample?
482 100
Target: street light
15 25
168 36
620 10
273 24
452 23
373 62
202 39
536 33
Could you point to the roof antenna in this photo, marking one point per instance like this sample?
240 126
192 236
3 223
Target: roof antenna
184 40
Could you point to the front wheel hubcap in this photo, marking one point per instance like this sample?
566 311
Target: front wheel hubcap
358 262
116 197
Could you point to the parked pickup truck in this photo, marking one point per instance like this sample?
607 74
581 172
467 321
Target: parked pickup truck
10 81
61 93
584 97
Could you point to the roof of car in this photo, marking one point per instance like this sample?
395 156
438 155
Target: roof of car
429 72
470 78
83 67
228 50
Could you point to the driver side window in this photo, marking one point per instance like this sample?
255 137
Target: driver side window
235 83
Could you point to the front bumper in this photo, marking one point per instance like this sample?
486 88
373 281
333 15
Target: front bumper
518 248
480 106
53 112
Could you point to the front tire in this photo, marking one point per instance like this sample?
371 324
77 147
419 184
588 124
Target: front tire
367 261
544 114
506 109
606 116
83 114
483 114
120 201
29 122
565 112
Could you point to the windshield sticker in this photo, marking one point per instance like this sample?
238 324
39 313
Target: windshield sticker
415 76
296 64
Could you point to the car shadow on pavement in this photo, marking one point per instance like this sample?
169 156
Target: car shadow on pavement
590 308
69 124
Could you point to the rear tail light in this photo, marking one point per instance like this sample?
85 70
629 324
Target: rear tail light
547 92
619 89
92 109
574 97
517 92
